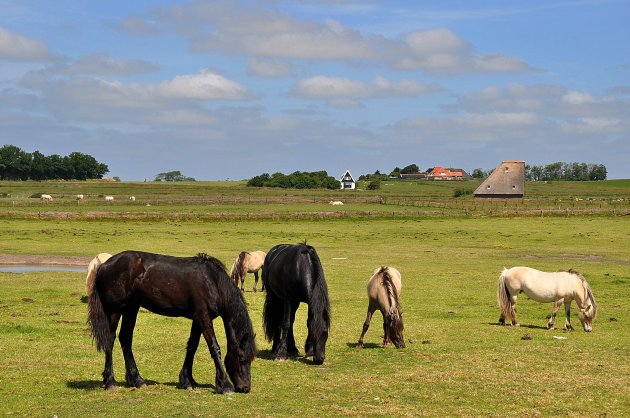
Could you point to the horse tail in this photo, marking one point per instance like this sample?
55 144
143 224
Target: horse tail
272 314
98 321
238 268
503 297
395 321
319 305
93 269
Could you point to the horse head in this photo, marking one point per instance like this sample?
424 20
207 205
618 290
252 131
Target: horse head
238 362
586 318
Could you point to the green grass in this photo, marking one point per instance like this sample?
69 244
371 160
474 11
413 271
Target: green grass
458 361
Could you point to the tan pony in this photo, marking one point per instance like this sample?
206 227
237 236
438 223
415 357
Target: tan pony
557 287
247 262
92 269
384 289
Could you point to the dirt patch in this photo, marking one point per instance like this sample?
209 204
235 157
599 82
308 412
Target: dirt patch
61 260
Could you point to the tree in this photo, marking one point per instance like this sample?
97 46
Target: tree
410 169
172 176
478 173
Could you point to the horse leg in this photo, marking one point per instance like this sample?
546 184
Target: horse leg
255 281
222 383
281 350
567 311
292 350
386 337
513 310
108 373
366 325
554 312
186 380
132 376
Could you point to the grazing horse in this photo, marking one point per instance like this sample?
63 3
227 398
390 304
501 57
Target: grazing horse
46 198
384 289
196 288
92 269
558 287
247 262
294 274
109 198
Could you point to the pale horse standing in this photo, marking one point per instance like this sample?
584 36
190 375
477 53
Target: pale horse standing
557 287
384 289
247 262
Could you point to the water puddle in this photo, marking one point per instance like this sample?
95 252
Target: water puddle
23 268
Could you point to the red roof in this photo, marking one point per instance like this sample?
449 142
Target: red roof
443 172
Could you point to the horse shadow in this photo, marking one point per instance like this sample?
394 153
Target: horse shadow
268 355
365 345
498 324
88 385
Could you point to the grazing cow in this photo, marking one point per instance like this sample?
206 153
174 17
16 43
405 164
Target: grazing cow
109 198
46 198
132 198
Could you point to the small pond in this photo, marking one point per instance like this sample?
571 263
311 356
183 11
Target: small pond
27 268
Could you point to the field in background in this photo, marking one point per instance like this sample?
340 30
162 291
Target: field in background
214 200
458 361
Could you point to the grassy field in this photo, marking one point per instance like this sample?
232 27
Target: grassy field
458 361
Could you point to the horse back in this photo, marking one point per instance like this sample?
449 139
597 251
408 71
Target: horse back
290 272
540 285
171 286
378 292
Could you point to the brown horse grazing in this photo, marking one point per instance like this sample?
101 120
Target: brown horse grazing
197 288
384 290
92 269
247 262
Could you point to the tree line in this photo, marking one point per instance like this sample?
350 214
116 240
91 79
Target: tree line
296 180
17 164
557 171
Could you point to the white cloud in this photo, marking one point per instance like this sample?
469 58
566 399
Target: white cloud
256 32
577 98
269 68
323 87
15 47
203 86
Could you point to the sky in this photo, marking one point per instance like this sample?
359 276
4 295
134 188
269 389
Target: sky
233 89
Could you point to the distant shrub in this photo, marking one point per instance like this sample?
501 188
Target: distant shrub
461 192
374 185
296 180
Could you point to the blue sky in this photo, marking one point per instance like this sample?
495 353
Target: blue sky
232 89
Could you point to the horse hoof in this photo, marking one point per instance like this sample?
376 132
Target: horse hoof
359 345
110 387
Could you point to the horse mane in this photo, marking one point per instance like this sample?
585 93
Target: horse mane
319 300
238 268
229 292
587 289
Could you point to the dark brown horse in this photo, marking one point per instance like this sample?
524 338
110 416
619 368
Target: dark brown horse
293 274
197 288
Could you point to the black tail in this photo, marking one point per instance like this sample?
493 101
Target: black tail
99 324
272 314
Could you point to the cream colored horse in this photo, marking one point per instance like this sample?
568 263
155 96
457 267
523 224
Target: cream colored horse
384 289
247 262
558 287
92 269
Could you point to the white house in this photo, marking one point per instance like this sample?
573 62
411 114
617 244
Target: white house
347 181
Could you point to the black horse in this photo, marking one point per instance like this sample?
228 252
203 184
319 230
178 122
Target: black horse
197 288
294 274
